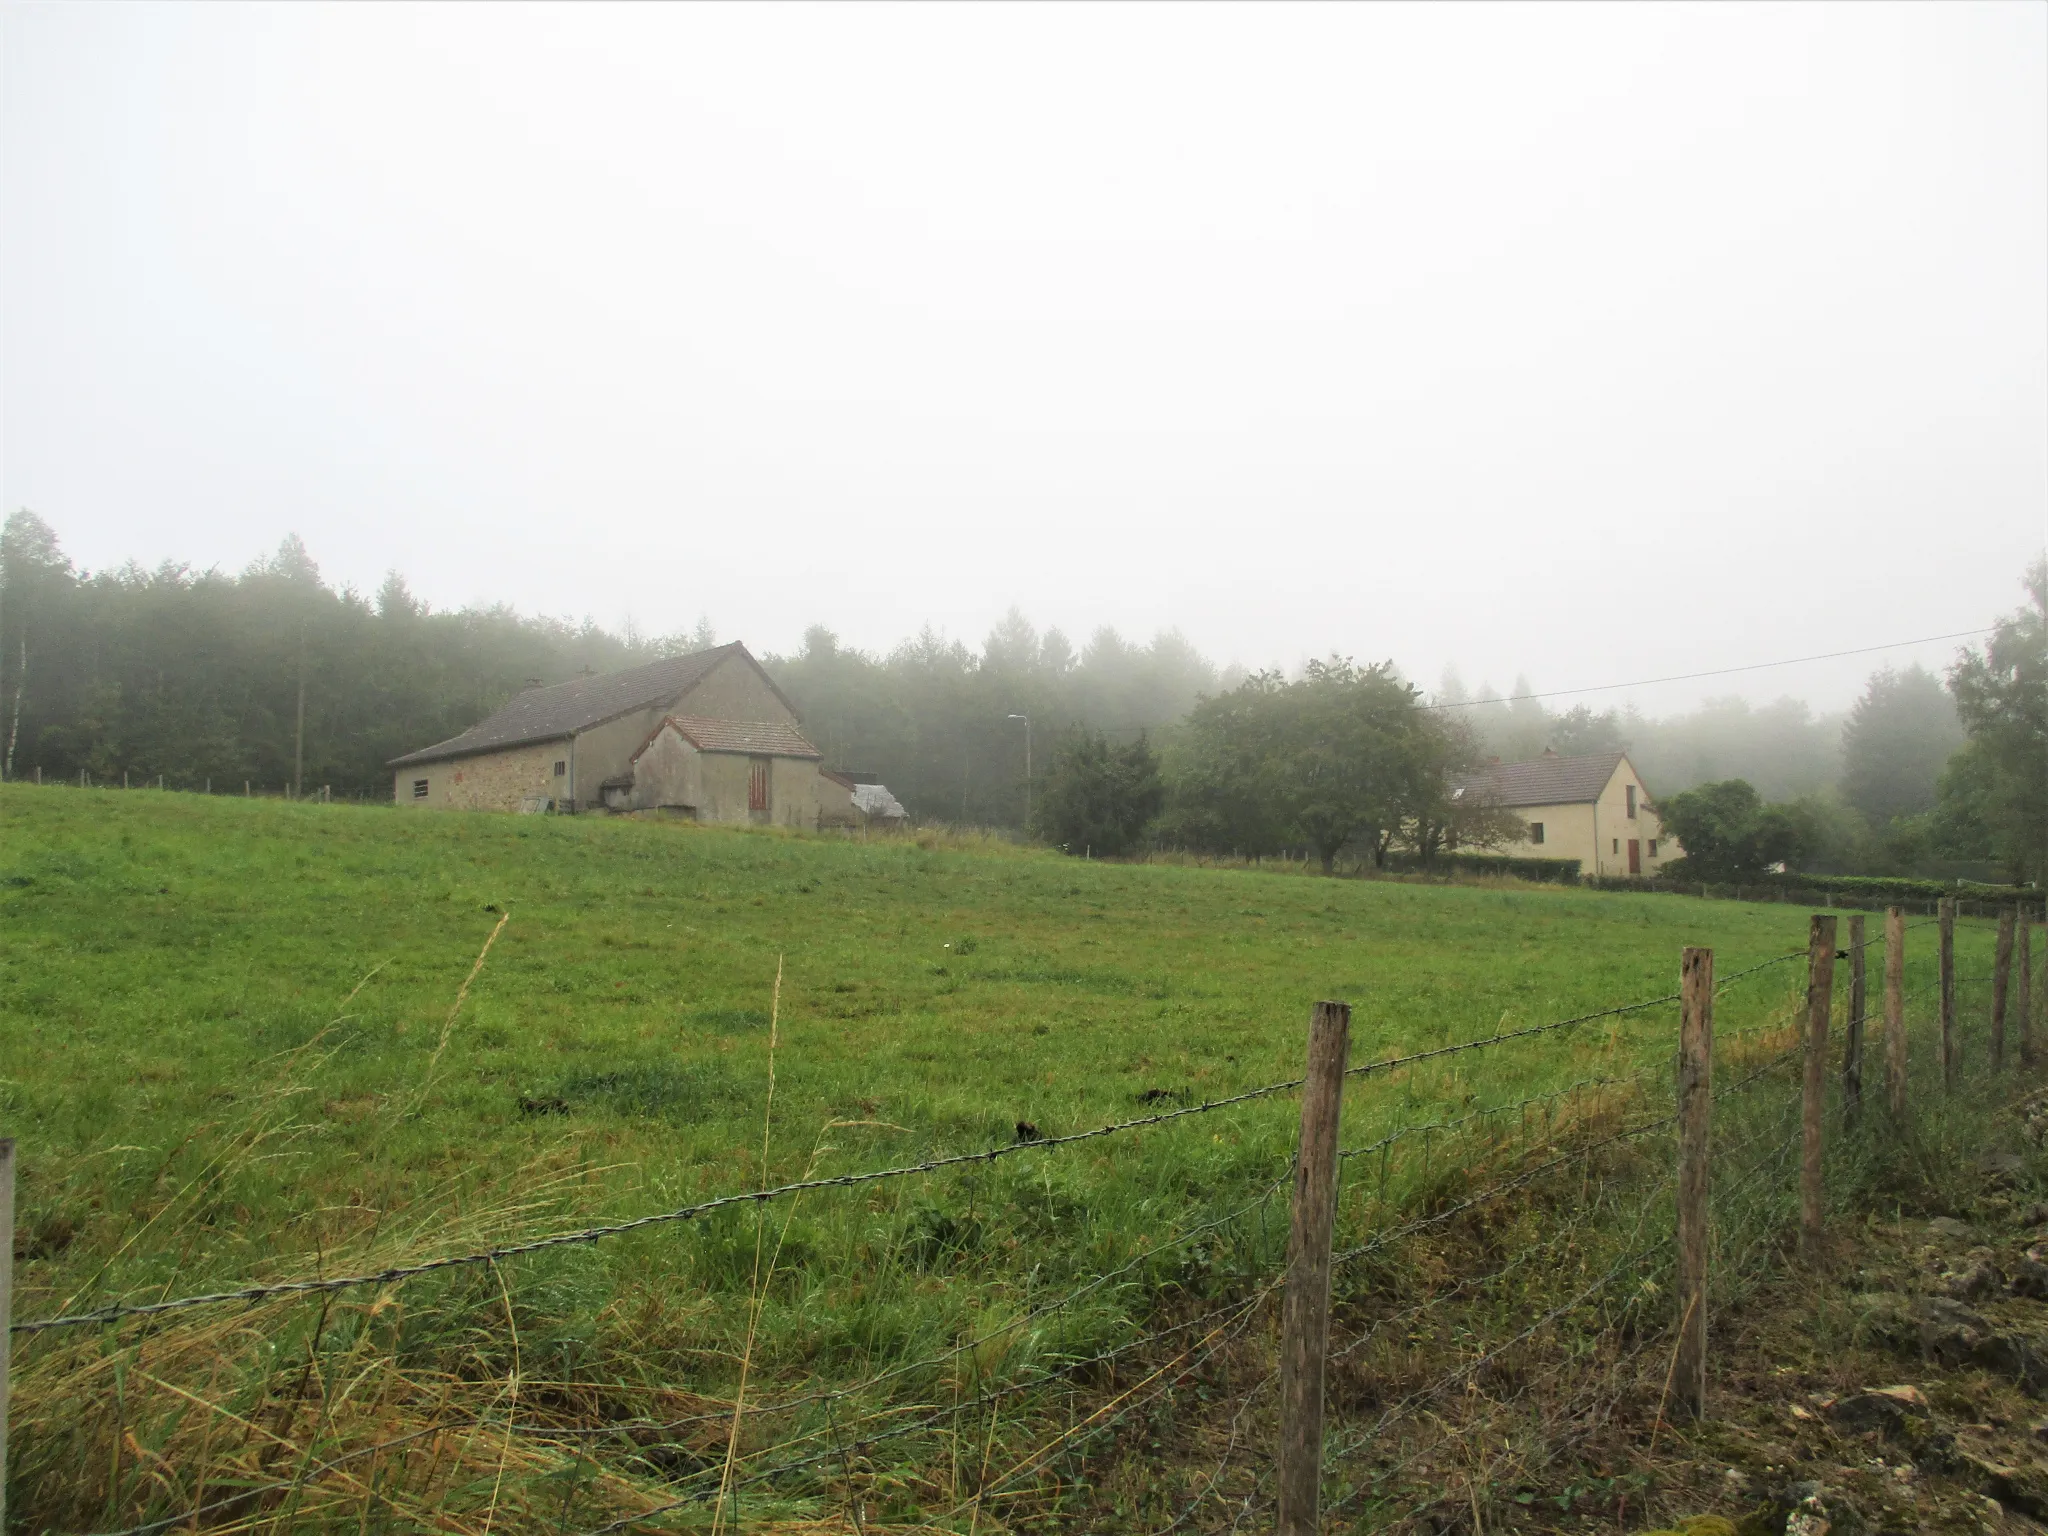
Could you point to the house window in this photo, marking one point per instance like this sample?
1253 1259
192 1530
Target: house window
1535 831
419 789
561 767
757 784
1617 845
1631 802
1653 847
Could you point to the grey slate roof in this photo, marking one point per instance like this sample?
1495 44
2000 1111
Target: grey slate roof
548 714
1545 780
756 738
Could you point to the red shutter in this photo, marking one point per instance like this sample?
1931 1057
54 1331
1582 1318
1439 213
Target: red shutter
757 785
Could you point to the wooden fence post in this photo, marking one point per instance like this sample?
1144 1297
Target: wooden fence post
1852 1051
2026 997
1820 996
2001 988
1695 1107
1305 1309
6 1301
1895 1010
1947 919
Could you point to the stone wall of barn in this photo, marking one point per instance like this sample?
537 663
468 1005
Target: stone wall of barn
489 781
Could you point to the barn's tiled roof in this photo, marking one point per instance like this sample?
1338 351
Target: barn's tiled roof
756 738
547 714
1545 781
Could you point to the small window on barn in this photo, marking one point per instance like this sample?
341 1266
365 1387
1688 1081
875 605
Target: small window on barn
1631 802
757 784
1535 831
419 789
561 767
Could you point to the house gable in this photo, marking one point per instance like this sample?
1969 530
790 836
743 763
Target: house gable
1583 805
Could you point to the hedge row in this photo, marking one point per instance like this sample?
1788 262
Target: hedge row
1906 888
1553 871
1971 900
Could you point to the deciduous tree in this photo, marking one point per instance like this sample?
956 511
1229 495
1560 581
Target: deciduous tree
2001 691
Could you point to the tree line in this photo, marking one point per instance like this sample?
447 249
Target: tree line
274 676
198 677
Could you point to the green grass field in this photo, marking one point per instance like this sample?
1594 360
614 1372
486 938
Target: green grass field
227 1053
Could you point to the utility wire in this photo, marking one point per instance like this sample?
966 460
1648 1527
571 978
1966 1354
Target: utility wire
1686 677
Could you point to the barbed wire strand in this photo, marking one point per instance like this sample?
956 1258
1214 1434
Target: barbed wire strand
1106 1356
1380 1240
117 1311
1102 1357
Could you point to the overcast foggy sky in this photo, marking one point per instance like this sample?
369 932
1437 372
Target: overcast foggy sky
1590 342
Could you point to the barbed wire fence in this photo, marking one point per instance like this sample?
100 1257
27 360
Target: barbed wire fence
1526 1241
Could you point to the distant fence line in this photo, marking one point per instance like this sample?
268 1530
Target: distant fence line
249 789
2033 902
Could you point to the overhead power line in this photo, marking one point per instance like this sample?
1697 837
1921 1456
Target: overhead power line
1686 677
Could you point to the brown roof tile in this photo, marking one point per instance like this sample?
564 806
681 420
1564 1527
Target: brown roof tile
756 738
1545 780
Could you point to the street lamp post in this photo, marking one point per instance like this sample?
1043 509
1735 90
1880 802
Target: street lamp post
1027 771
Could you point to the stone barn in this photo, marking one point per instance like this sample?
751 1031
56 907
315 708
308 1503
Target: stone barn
708 736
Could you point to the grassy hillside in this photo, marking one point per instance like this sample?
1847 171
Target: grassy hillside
228 1050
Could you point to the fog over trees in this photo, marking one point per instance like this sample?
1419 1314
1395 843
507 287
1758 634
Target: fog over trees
197 677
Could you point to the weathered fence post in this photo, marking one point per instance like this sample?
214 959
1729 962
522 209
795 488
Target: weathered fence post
1852 1050
1820 996
1695 1107
1895 1010
1305 1309
1947 919
2001 987
2026 997
6 1301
